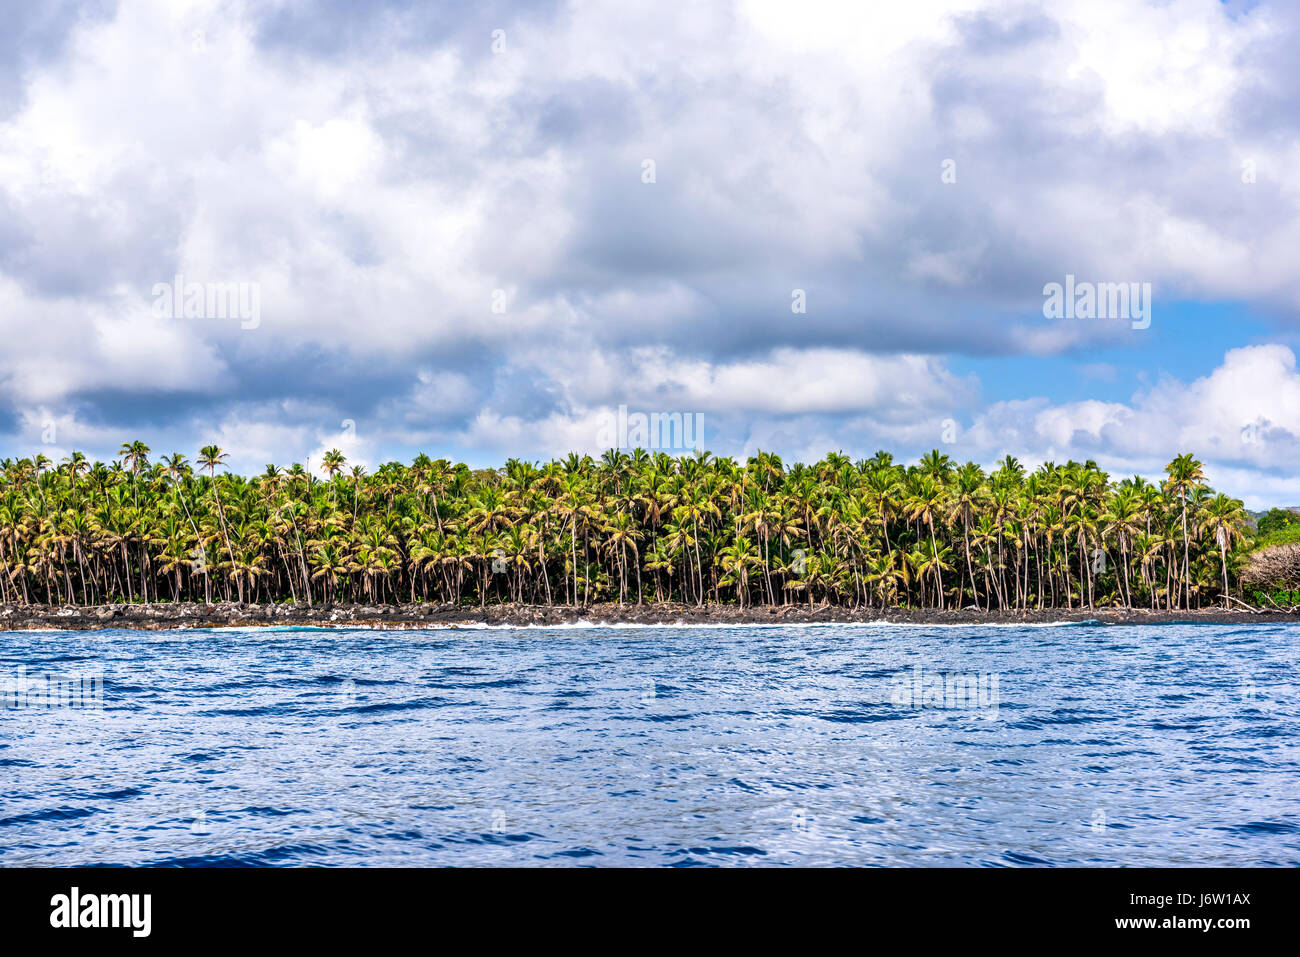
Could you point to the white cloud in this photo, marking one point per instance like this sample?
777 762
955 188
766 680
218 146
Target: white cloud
782 392
1242 420
380 194
60 346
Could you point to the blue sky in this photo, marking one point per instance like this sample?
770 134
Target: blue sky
446 219
1187 342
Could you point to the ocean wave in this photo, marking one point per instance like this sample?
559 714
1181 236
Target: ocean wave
679 744
585 625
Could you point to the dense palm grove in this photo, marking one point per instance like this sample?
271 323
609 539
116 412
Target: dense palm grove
630 527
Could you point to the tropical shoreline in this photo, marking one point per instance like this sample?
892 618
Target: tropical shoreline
155 617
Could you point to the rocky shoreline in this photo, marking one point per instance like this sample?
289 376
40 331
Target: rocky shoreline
227 614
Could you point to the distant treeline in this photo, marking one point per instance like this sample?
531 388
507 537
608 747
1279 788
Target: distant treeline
629 527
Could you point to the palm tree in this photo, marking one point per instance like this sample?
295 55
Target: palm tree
967 487
1224 519
332 463
1184 472
926 502
736 560
210 456
870 532
136 456
1122 519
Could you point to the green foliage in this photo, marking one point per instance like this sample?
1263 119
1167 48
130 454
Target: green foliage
629 526
1278 527
1280 596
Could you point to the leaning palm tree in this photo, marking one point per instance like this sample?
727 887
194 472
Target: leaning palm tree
211 456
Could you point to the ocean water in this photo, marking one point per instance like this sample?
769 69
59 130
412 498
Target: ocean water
655 746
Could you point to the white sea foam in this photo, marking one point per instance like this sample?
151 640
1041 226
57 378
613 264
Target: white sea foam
585 625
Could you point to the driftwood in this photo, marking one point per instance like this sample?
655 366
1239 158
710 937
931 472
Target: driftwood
1251 608
1289 609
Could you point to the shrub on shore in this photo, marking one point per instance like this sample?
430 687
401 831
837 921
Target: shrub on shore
1276 567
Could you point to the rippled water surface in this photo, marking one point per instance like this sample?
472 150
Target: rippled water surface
1152 745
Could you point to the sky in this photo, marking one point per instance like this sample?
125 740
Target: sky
477 229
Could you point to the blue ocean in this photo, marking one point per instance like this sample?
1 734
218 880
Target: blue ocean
814 745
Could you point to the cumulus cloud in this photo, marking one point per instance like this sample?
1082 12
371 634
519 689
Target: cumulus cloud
456 244
1243 419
